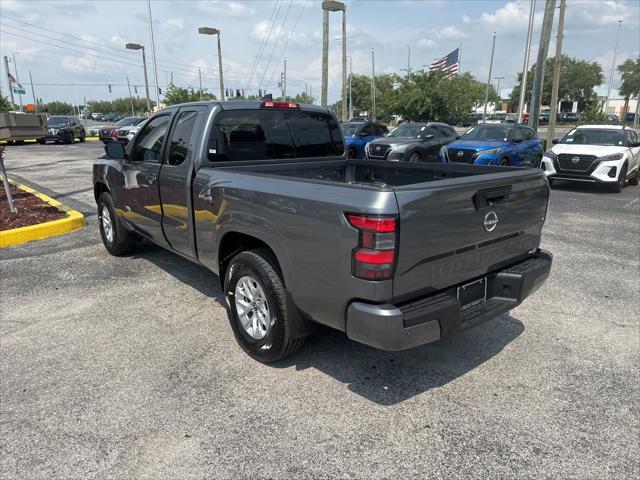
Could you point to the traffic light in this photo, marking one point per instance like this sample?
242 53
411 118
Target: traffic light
238 93
159 91
242 92
135 89
109 88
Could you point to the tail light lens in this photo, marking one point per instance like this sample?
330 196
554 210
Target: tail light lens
375 256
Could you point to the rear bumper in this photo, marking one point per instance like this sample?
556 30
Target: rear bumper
428 319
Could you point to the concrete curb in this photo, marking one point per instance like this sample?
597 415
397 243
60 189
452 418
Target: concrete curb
73 220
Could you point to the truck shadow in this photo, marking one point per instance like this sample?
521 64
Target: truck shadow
582 187
385 378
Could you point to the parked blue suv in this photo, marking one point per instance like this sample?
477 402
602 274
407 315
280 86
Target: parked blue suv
496 144
358 134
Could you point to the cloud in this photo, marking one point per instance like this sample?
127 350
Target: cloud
80 64
513 15
451 32
173 25
226 9
427 43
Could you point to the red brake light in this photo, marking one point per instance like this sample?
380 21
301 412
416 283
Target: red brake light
270 104
376 224
374 257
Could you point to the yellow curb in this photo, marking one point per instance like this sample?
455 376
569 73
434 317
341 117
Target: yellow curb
73 220
33 140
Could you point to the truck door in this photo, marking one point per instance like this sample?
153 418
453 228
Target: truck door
175 179
141 196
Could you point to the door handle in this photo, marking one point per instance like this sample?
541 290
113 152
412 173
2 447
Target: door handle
151 179
207 195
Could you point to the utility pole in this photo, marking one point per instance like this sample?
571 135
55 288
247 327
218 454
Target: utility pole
284 81
613 67
153 52
15 66
200 82
543 48
350 92
325 57
486 93
373 85
556 75
6 68
525 66
344 64
133 112
33 93
498 86
408 59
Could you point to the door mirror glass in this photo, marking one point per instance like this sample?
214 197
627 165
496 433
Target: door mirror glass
555 141
114 150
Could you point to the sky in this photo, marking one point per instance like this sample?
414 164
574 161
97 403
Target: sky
77 47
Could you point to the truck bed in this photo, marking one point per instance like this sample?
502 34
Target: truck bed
372 173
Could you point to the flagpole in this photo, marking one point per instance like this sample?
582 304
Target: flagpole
460 58
6 67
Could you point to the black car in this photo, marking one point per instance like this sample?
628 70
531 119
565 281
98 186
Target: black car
65 129
569 116
412 142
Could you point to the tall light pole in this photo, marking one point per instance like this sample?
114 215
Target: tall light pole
153 53
498 86
15 67
613 67
373 85
486 93
556 75
215 31
350 92
333 6
525 66
408 59
136 46
543 48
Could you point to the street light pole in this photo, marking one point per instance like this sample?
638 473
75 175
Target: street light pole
344 64
133 112
408 59
525 66
373 85
215 31
543 48
153 53
15 67
200 82
606 102
325 57
136 46
350 91
486 93
498 86
556 75
333 6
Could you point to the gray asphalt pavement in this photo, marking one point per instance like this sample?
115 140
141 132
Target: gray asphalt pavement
127 368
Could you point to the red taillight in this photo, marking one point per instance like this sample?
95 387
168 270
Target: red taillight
374 257
271 104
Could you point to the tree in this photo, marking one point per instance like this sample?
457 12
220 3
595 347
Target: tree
303 97
578 78
5 104
386 85
59 108
630 87
175 94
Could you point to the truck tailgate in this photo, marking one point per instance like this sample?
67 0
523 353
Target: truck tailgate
449 234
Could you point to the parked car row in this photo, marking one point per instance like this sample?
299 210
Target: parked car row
120 130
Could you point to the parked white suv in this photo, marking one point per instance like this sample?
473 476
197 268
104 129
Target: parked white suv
608 154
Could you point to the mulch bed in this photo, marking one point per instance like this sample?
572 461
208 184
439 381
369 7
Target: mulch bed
31 210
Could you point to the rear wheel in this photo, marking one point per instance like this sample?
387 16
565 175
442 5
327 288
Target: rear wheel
636 178
257 307
352 153
69 138
504 162
117 240
415 157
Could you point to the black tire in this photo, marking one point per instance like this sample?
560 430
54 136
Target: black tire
538 162
83 136
69 138
261 267
618 186
351 153
122 241
635 179
504 162
415 157
42 141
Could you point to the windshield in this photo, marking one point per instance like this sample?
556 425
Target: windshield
125 122
594 136
350 129
487 133
57 121
412 130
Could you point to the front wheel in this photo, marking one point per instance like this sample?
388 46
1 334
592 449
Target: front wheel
257 307
352 153
83 136
69 138
635 179
415 157
117 240
619 185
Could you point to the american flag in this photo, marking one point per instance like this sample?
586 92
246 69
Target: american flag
13 81
447 64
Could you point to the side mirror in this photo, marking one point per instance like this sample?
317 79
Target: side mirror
114 150
634 144
555 141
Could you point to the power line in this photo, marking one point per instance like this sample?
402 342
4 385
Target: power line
261 47
275 44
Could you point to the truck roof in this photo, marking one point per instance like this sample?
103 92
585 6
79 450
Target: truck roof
604 127
245 105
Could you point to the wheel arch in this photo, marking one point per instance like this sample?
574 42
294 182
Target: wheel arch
98 189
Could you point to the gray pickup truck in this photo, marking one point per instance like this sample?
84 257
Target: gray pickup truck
262 194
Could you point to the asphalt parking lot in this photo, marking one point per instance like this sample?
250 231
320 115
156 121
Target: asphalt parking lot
127 368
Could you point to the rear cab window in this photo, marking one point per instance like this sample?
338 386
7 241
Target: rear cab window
273 134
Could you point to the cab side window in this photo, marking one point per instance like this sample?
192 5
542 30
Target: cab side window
367 130
516 135
181 146
148 146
